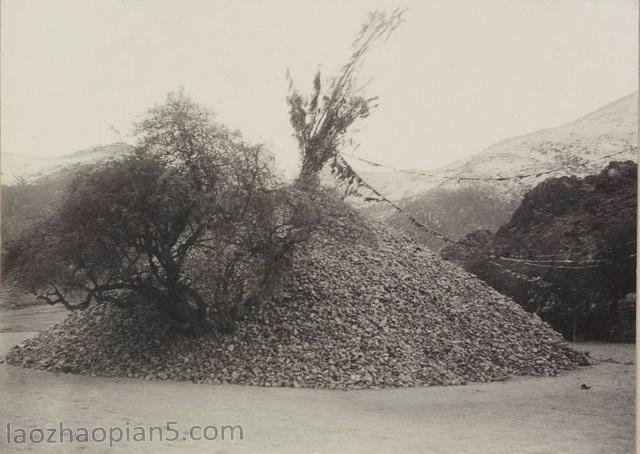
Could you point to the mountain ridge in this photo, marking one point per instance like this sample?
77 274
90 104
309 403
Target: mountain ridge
456 207
398 185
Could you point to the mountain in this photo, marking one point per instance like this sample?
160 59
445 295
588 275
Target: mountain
31 168
568 252
468 195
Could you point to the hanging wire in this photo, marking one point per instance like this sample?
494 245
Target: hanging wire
458 179
537 262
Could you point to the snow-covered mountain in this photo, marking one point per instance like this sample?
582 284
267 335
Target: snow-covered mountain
31 168
450 200
577 148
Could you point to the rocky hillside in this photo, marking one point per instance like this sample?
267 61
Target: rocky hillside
361 308
457 207
568 252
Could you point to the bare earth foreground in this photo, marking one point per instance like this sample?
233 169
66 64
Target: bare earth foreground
522 415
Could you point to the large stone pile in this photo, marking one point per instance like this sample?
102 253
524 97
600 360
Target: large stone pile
374 311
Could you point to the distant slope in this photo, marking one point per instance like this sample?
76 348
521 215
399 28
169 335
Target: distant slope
31 168
579 148
45 181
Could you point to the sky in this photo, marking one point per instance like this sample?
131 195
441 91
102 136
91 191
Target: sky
456 77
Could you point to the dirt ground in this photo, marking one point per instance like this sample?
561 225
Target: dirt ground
520 415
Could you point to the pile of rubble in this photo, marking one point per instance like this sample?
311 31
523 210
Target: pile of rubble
369 312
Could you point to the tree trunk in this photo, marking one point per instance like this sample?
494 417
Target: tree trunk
183 307
309 177
192 309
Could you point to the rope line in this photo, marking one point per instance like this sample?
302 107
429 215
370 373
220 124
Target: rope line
595 263
458 179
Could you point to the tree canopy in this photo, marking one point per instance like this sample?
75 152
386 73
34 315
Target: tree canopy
194 209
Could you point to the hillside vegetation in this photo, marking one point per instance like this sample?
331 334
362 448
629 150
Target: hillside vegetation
568 253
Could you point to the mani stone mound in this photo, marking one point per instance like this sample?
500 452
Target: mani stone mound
356 311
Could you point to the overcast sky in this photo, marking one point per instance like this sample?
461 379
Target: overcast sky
455 78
